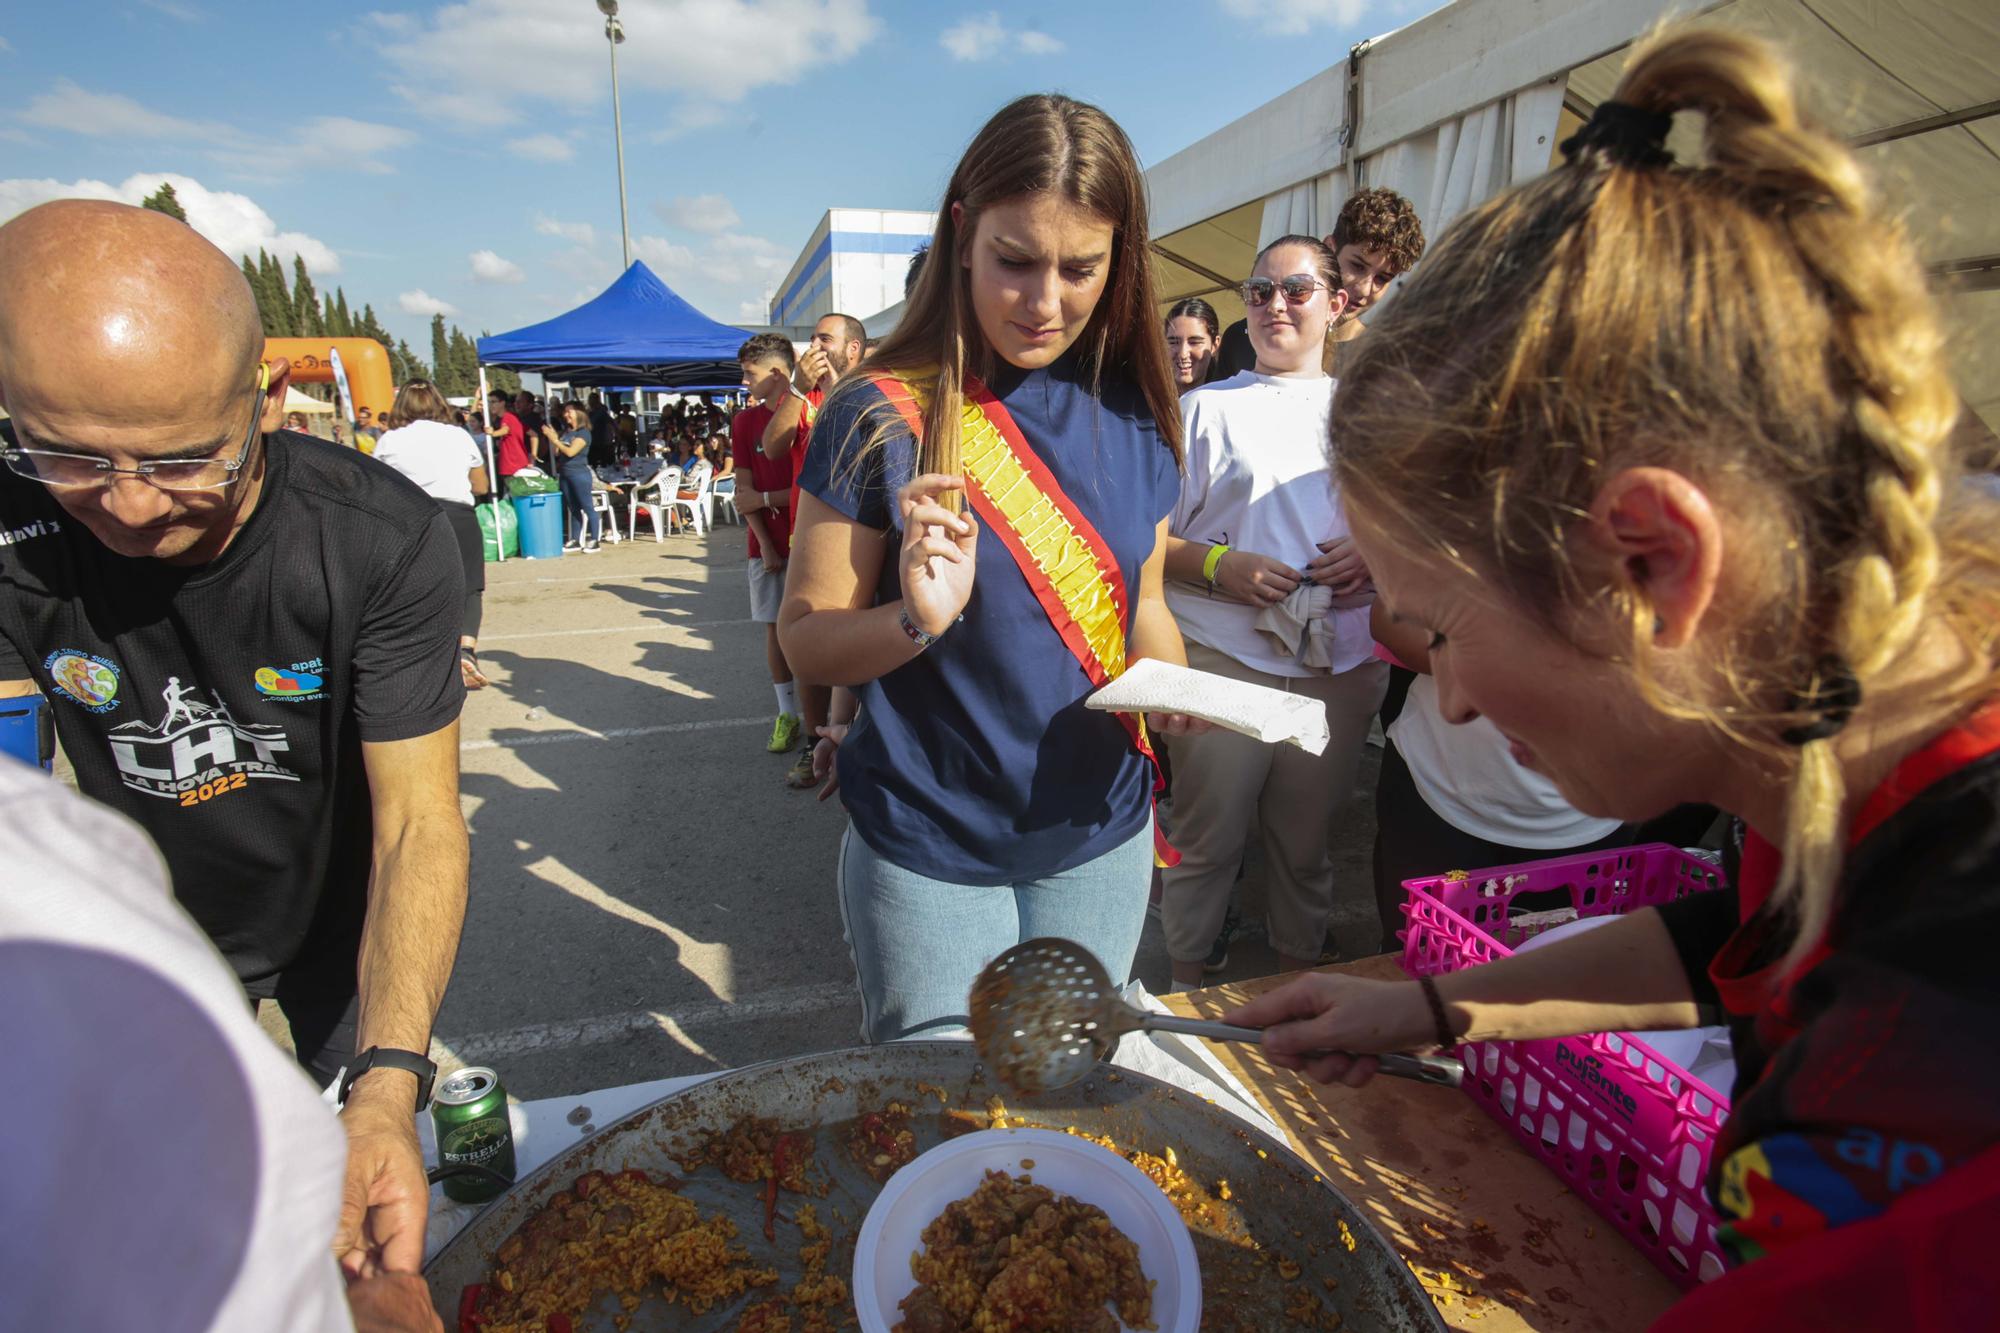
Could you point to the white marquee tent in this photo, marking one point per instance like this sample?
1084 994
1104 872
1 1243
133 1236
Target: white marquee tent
1476 96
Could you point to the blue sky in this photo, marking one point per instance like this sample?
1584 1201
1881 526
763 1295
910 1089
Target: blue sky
459 156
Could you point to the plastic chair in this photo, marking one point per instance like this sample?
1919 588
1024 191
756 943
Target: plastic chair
653 496
700 510
725 503
601 502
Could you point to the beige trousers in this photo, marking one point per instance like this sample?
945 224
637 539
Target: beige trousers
1223 780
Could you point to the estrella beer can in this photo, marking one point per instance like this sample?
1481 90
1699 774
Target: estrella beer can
469 1109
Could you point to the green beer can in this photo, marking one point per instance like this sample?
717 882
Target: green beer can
469 1108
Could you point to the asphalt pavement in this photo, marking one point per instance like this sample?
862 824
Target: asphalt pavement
648 897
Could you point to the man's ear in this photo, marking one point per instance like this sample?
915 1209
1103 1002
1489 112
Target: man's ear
278 376
1665 538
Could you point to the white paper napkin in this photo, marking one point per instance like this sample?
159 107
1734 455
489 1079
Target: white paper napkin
1153 686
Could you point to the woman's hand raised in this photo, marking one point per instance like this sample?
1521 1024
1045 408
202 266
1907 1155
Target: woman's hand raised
939 552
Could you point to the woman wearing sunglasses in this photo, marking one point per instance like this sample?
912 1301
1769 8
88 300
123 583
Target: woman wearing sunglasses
1268 589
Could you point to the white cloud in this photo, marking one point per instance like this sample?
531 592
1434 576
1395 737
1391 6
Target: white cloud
5 46
110 115
984 36
489 267
542 148
235 223
707 213
662 255
327 142
753 312
183 13
578 233
421 302
977 38
1296 16
486 62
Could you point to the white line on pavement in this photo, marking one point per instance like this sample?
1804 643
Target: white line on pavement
615 733
539 1038
611 629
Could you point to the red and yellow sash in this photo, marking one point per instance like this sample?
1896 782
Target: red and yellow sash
1068 565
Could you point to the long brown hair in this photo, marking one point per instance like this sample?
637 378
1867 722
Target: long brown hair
1753 323
418 400
1044 143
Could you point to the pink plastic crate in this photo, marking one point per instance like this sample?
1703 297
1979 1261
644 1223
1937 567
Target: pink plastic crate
1627 1129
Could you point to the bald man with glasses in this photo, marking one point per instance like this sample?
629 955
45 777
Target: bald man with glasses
249 641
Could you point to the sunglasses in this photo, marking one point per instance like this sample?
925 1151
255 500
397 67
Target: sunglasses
1298 289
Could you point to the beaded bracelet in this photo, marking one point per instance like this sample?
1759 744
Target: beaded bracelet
1445 1039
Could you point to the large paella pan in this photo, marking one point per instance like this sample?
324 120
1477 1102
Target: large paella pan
1278 1247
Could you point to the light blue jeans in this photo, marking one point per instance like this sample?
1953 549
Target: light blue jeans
919 943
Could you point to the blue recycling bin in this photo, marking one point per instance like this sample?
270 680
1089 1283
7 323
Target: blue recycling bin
27 731
541 525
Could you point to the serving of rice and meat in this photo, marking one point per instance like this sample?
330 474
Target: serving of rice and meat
1016 1257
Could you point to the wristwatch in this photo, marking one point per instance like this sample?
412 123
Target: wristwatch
388 1057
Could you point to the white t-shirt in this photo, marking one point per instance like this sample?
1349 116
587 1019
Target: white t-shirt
1259 478
435 456
162 1164
1469 780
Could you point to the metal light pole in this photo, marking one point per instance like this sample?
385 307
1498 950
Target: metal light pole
614 35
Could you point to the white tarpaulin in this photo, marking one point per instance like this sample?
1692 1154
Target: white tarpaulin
1475 96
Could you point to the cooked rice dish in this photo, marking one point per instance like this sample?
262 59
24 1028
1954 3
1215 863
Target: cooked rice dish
1016 1257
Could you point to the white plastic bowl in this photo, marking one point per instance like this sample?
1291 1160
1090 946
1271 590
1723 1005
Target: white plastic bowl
915 1195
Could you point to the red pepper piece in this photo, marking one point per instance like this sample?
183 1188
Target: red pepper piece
587 1182
469 1318
559 1323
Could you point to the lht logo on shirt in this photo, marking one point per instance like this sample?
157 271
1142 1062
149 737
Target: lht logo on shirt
298 683
197 751
84 678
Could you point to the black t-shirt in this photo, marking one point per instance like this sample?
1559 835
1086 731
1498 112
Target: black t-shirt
223 706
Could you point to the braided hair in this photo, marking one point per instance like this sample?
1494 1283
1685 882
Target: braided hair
1751 321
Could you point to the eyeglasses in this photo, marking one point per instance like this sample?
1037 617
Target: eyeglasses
1298 289
71 472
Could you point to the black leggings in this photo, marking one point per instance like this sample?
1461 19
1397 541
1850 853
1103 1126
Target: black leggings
472 554
1411 842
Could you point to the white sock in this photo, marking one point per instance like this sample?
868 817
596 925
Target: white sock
788 698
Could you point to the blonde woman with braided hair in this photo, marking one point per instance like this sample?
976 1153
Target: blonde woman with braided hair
1658 456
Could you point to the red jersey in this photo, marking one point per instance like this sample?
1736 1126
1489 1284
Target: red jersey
763 473
511 443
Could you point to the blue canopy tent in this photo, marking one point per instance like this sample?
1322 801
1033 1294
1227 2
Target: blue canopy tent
636 332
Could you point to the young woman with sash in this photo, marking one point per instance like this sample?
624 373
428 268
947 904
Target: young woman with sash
979 546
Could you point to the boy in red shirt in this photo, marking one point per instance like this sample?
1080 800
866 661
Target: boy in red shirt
836 348
764 498
510 439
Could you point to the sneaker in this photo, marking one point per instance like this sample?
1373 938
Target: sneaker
784 733
1218 953
593 548
800 775
572 546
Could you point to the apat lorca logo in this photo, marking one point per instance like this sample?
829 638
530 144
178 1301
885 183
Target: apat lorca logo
1590 1072
294 684
197 751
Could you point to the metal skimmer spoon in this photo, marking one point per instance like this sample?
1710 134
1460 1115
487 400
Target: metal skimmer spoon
1044 1013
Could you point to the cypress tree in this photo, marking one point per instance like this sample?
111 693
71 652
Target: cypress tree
442 368
164 200
343 322
305 302
417 369
280 298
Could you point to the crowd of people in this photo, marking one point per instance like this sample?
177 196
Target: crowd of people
1643 497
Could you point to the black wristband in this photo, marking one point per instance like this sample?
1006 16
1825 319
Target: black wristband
388 1057
1445 1039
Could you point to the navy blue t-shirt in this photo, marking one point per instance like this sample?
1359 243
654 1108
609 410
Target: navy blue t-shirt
977 763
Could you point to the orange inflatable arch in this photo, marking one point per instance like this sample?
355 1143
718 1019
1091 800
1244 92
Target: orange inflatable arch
364 360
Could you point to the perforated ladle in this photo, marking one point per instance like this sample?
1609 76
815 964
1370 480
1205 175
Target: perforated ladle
1045 1012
